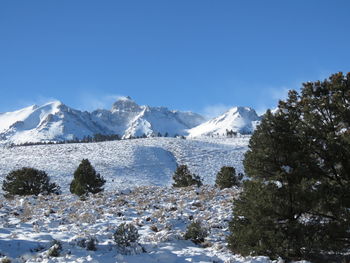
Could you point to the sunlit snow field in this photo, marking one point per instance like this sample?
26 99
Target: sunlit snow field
129 163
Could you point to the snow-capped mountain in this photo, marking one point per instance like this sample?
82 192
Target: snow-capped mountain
55 121
237 119
52 121
128 119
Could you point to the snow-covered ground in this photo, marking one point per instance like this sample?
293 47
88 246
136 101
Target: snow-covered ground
161 214
29 225
129 163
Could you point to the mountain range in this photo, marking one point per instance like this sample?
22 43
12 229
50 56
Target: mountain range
55 121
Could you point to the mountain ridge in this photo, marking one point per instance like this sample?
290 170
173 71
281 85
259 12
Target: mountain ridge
236 120
55 121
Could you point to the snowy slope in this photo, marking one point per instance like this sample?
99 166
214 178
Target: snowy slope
9 118
30 224
129 163
238 119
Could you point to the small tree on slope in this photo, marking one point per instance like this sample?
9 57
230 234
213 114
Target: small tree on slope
86 180
297 204
28 181
226 178
183 177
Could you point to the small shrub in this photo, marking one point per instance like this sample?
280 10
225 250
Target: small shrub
55 249
226 178
154 228
126 235
91 244
28 181
88 243
183 177
86 180
196 233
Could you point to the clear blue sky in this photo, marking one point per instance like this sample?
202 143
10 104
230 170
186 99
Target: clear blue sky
185 54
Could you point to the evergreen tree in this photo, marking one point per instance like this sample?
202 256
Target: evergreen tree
183 177
226 178
196 232
28 181
297 204
86 180
126 235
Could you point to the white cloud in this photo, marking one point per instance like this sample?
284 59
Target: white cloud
271 97
92 102
280 93
39 100
212 111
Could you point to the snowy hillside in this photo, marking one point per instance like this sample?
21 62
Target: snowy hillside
129 163
55 121
238 119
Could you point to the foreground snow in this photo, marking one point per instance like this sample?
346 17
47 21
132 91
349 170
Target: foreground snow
29 225
129 163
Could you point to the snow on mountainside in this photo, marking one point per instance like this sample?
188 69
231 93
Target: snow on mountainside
55 121
238 119
52 121
128 119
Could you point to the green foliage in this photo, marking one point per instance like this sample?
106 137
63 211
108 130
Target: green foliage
195 232
28 181
183 177
86 180
126 235
298 203
226 178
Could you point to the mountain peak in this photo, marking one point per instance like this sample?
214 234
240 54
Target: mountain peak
54 103
124 98
245 112
237 119
124 104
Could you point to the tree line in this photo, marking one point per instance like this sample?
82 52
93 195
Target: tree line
98 137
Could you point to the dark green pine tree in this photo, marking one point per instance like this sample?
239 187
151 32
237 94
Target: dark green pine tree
297 203
28 181
183 177
226 178
86 180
